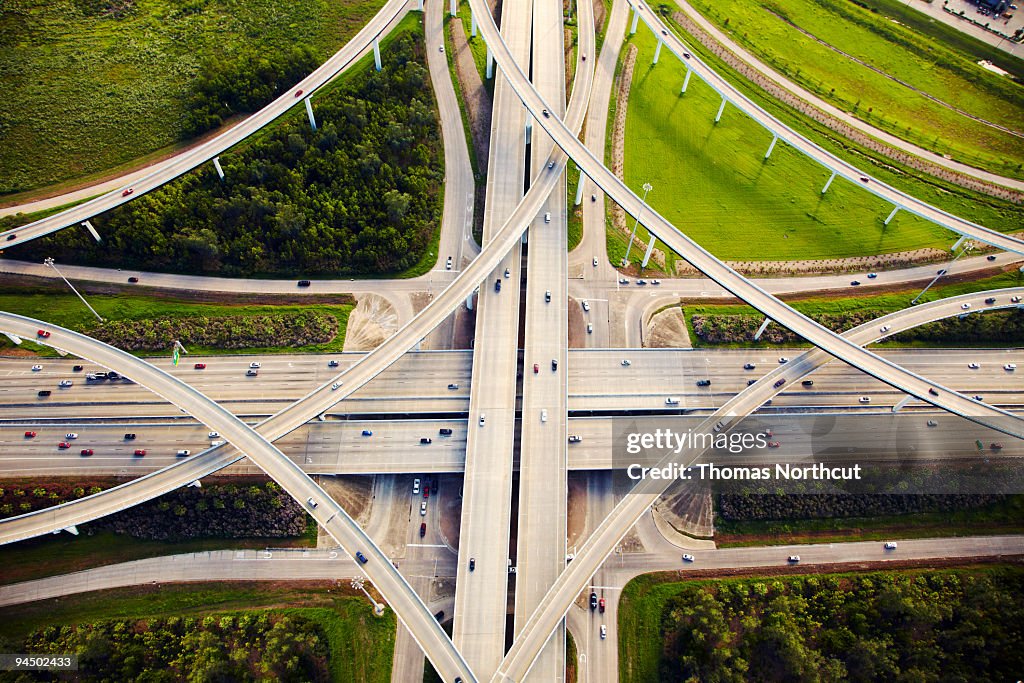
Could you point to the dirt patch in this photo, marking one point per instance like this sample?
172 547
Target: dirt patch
372 321
667 330
450 494
576 520
687 510
577 325
474 93
353 492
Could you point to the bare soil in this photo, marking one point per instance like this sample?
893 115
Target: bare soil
474 93
371 322
667 330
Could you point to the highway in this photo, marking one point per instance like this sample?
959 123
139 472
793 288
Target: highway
328 514
388 16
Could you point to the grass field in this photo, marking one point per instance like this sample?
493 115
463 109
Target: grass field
713 183
67 311
85 92
361 645
850 81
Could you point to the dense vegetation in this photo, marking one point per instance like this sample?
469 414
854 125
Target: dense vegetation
928 626
740 507
360 195
223 511
997 327
224 332
229 647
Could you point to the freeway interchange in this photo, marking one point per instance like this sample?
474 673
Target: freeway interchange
506 413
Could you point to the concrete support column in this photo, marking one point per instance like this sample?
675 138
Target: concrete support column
419 5
721 108
686 81
453 7
636 20
650 250
196 484
73 530
906 399
959 242
14 338
579 189
472 25
216 165
309 113
376 54
775 138
92 231
657 52
490 63
760 330
469 301
892 215
830 179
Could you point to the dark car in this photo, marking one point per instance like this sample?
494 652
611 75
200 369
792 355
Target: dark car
86 451
43 392
808 382
444 431
367 432
991 257
77 368
703 383
750 381
141 452
362 558
472 563
749 366
129 436
12 236
133 279
426 440
855 283
554 364
779 382
497 285
991 300
593 601
423 529
439 615
933 391
943 271
304 283
200 366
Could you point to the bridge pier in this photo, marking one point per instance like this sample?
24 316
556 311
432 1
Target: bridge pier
92 231
718 116
904 401
958 243
376 54
490 63
453 7
14 338
892 215
830 179
636 20
579 189
472 25
216 165
469 301
760 330
73 530
309 113
775 138
657 52
419 5
650 250
686 81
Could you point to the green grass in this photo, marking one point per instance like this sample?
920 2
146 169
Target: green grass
122 83
575 223
361 645
906 54
477 46
67 311
713 183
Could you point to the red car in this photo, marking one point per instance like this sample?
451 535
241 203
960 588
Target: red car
773 444
43 333
200 366
600 605
63 444
86 451
30 435
298 93
128 192
423 529
536 368
426 492
140 451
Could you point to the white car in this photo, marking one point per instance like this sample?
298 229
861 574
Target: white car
623 280
37 368
865 399
254 365
687 558
335 386
671 401
965 306
586 305
312 503
885 328
794 558
415 486
973 366
65 383
595 262
544 415
70 436
590 328
783 360
890 545
626 363
1010 367
483 418
214 444
508 273
604 631
547 217
448 264
423 509
213 435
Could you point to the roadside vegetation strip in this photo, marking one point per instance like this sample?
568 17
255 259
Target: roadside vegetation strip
712 181
896 50
924 623
359 646
86 90
361 195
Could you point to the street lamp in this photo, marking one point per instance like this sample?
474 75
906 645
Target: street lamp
358 584
942 271
49 262
647 188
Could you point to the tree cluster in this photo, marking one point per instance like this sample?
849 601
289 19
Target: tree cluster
948 626
746 507
222 332
360 195
249 646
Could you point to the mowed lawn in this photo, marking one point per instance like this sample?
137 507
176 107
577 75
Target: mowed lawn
84 92
893 49
712 182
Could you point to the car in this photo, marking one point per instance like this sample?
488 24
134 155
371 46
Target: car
941 271
86 451
864 179
298 93
448 264
719 426
593 198
497 285
184 452
604 631
749 366
543 414
37 368
595 258
423 529
213 435
590 328
793 558
140 452
129 436
808 383
536 368
991 257
335 386
703 383
687 557
933 391
996 446
367 432
991 300
642 282
362 558
774 444
779 383
63 445
426 491
855 283
769 432
254 365
483 418
933 423
65 383
43 392
890 545
586 305
127 191
783 360
304 283
453 387
133 279
43 334
70 436
214 444
199 366
1014 299
554 365
508 273
77 368
864 399
415 486
112 375
472 563
884 328
655 282
252 373
332 363
626 363
575 438
545 113
1010 367
440 48
623 280
583 57
686 55
600 605
751 381
671 401
551 164
977 398
547 296
547 217
965 306
30 435
444 431
872 276
12 236
973 366
426 440
593 600
423 509
664 32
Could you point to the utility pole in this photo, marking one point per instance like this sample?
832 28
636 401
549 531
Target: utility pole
647 188
49 262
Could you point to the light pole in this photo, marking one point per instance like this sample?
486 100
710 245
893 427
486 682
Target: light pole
967 247
647 188
49 262
357 583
